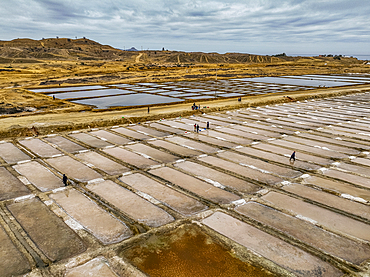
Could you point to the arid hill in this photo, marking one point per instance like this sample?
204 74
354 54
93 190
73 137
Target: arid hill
58 49
65 49
28 50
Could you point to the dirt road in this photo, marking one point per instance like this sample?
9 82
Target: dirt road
137 59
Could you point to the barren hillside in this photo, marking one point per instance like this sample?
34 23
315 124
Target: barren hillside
27 50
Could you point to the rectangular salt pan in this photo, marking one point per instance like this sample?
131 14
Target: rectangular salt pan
65 144
90 140
101 224
153 153
352 251
54 238
74 169
130 157
138 99
201 188
10 186
90 93
40 148
40 176
102 134
48 90
329 219
11 154
176 200
131 204
12 262
280 252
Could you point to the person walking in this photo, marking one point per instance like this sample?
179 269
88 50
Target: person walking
292 157
197 128
65 180
207 124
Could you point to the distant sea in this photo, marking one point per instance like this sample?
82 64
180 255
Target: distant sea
360 57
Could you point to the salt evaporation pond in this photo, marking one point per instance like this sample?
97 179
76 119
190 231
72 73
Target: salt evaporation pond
90 93
127 100
298 82
46 90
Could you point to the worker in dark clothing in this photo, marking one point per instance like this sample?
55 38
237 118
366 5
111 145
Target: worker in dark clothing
207 124
197 128
65 180
292 157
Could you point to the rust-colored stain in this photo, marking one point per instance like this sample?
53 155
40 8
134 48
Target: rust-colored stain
188 252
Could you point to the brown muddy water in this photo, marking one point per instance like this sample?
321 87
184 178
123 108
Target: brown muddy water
187 251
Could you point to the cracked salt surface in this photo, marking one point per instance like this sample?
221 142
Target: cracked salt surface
214 183
23 198
144 155
323 169
59 189
48 202
24 180
314 222
238 203
192 148
357 199
95 181
255 168
148 197
73 224
126 173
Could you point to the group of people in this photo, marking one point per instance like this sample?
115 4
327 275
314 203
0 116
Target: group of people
196 127
195 107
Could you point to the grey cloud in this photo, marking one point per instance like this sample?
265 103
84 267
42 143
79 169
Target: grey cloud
260 25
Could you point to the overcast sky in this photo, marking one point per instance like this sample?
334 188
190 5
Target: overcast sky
247 26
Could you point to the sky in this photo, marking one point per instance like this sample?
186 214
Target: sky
266 27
